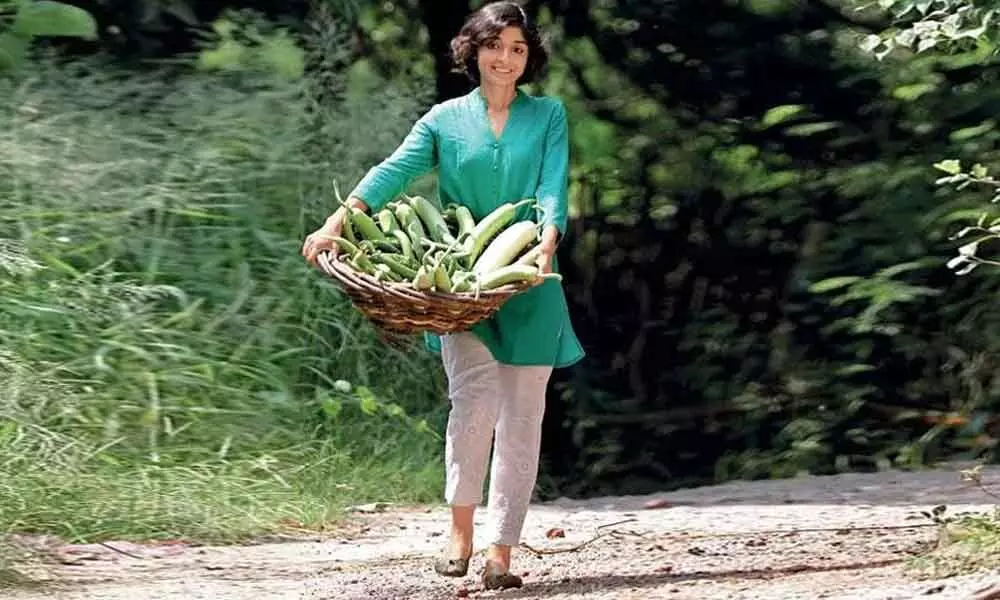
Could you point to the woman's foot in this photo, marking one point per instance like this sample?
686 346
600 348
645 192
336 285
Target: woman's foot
499 556
498 577
496 573
455 562
451 567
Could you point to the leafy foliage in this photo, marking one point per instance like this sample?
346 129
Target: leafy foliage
986 232
244 42
21 21
167 354
758 270
923 25
952 27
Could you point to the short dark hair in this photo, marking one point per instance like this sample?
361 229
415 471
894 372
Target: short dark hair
486 24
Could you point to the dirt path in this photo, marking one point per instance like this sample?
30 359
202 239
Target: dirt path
738 540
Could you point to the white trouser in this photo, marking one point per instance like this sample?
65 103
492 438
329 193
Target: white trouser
488 397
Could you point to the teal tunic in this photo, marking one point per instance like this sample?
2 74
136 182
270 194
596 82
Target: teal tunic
475 168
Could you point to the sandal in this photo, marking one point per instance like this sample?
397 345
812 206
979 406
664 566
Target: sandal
499 580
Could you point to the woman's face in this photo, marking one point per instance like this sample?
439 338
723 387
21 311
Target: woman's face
502 60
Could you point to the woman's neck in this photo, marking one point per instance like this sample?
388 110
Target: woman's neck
498 98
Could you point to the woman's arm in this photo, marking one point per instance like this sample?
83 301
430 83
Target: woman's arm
553 188
415 156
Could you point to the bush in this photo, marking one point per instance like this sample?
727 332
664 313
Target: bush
176 368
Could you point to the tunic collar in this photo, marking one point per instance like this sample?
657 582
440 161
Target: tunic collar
477 96
480 108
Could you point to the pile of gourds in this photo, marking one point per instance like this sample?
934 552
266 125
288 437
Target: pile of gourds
410 242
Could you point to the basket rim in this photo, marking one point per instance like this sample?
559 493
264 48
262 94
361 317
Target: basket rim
337 267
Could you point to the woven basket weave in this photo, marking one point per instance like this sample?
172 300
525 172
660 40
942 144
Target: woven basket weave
400 309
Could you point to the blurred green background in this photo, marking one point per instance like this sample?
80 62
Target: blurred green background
758 261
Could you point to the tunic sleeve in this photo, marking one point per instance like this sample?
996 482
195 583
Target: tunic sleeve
415 156
553 187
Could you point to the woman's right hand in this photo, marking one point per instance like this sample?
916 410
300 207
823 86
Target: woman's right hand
321 240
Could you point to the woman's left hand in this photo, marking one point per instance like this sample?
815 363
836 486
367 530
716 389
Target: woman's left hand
547 251
547 248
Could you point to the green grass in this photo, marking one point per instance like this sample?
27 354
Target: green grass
172 367
969 543
88 493
966 542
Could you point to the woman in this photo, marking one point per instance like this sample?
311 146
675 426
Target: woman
493 145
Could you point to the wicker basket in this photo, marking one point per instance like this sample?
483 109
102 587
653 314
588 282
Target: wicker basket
399 309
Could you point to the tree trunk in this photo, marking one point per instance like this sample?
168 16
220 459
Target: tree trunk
441 28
